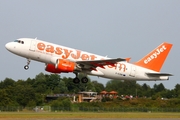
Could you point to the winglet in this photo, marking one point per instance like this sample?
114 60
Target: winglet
155 59
128 59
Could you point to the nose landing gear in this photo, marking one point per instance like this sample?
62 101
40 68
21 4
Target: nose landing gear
26 67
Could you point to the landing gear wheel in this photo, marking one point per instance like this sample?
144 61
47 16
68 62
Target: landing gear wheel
26 67
76 80
84 80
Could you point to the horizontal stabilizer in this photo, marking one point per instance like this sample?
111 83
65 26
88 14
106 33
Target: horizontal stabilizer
158 74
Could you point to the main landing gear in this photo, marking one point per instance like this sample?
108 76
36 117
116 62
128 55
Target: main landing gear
77 80
26 67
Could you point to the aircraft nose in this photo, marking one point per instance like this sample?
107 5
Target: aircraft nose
8 46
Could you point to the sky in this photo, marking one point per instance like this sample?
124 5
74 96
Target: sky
113 28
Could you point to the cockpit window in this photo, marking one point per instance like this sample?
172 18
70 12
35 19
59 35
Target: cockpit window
16 40
19 41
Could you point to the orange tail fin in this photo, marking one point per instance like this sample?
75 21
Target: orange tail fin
155 59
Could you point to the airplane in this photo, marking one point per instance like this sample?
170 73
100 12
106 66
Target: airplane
60 59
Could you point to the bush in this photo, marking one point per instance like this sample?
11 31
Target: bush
61 105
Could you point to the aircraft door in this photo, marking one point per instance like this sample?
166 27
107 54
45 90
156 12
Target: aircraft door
133 71
33 45
32 53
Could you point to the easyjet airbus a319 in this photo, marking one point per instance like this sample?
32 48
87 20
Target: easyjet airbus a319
61 59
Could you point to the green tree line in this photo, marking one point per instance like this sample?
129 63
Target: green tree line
32 92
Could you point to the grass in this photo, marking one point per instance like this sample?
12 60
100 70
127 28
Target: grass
6 115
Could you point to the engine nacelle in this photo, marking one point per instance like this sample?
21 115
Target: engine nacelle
65 65
51 68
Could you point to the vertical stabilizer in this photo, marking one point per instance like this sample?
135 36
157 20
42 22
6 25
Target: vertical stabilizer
155 59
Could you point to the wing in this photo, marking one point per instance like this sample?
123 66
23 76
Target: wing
92 64
158 74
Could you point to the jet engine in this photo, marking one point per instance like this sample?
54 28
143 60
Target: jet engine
61 65
65 65
51 68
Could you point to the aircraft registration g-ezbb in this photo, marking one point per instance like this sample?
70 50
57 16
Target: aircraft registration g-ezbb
61 59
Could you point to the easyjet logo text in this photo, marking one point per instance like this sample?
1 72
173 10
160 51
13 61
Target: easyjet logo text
118 66
66 53
155 54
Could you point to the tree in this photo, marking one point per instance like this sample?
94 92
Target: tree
7 82
71 87
177 90
98 86
24 94
114 85
129 87
5 99
52 81
145 87
160 88
39 83
61 88
146 90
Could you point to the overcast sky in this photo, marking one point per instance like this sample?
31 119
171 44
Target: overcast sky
117 28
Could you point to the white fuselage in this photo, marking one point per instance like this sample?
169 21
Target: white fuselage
48 53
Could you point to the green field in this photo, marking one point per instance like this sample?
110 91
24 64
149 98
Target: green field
40 115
